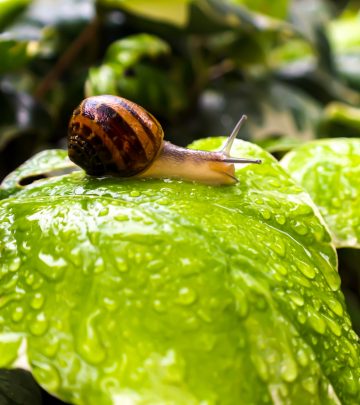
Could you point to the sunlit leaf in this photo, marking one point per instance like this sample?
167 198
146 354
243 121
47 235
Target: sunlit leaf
330 171
9 9
159 291
172 12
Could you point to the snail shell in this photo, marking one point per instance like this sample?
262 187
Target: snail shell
112 135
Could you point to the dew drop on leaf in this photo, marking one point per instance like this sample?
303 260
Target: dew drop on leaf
37 301
302 357
38 325
310 384
316 322
280 219
134 193
54 267
159 306
289 371
186 296
17 314
305 269
296 298
299 227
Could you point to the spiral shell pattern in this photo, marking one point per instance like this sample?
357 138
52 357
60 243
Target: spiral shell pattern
112 135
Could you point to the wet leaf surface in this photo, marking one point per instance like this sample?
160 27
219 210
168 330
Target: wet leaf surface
148 291
330 171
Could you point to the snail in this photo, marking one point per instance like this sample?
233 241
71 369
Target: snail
110 135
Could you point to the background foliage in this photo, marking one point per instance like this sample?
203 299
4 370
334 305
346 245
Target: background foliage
292 66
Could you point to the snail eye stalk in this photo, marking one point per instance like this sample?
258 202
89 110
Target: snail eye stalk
226 150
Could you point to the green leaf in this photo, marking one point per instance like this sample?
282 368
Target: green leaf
162 291
41 165
329 170
15 53
277 9
9 9
174 12
126 70
129 51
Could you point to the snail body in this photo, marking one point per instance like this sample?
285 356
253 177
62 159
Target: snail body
110 135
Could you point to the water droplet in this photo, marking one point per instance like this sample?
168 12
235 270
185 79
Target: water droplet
301 317
288 371
296 298
186 296
79 190
99 265
14 264
336 202
331 276
159 306
310 384
134 193
51 347
300 228
88 342
307 270
191 323
57 266
121 217
280 219
37 301
316 322
333 326
17 314
39 325
121 264
334 305
281 269
279 247
109 303
103 212
163 201
265 213
155 265
29 279
302 357
350 382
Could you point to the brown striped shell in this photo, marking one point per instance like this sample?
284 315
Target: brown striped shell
112 135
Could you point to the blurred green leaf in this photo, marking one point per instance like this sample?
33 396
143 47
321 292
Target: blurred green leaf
172 12
127 52
9 9
24 124
128 70
278 144
277 9
165 291
273 109
330 171
344 32
15 53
